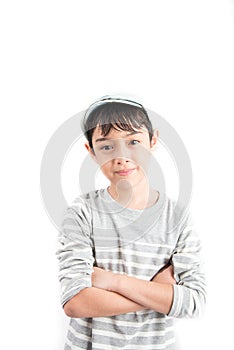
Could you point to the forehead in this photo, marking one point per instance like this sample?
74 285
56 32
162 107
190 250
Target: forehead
118 134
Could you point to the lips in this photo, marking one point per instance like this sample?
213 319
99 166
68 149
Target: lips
125 172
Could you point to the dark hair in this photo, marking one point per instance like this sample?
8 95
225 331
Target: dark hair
118 116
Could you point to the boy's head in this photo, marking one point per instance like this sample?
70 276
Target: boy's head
120 139
115 113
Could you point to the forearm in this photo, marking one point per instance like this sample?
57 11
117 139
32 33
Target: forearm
95 302
152 295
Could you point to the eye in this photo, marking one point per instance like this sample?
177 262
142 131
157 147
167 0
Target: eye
134 142
106 148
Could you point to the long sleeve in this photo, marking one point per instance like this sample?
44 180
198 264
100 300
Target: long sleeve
75 253
190 290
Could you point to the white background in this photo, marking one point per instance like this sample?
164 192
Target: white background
56 58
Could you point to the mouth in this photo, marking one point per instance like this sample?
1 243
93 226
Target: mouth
125 172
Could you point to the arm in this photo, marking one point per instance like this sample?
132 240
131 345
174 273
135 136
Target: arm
78 296
76 260
190 290
184 299
151 294
96 302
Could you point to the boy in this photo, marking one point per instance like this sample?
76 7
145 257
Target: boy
129 258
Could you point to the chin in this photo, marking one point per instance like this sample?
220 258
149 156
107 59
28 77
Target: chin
129 184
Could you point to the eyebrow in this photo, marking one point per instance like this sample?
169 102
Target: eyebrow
106 138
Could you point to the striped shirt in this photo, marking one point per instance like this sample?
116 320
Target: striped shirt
97 230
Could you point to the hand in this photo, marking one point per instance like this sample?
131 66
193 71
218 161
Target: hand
165 276
103 279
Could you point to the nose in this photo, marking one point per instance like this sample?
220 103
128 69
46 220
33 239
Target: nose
121 154
121 161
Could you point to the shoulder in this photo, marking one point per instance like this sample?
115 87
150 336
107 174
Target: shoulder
79 212
84 203
87 198
176 213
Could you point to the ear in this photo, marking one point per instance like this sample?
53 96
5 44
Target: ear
90 150
154 140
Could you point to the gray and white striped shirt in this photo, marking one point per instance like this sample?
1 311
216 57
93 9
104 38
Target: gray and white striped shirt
97 230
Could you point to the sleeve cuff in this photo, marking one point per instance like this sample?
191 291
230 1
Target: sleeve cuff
73 290
177 301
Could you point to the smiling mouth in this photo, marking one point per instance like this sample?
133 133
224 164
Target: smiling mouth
125 172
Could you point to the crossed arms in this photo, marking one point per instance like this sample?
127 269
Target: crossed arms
89 291
113 294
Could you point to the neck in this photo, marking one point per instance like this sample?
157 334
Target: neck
134 197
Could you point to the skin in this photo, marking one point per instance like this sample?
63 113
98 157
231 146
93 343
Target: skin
124 159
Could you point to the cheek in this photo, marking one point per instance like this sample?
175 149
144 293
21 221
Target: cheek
103 160
143 160
106 169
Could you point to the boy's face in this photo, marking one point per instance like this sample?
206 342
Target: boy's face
122 155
